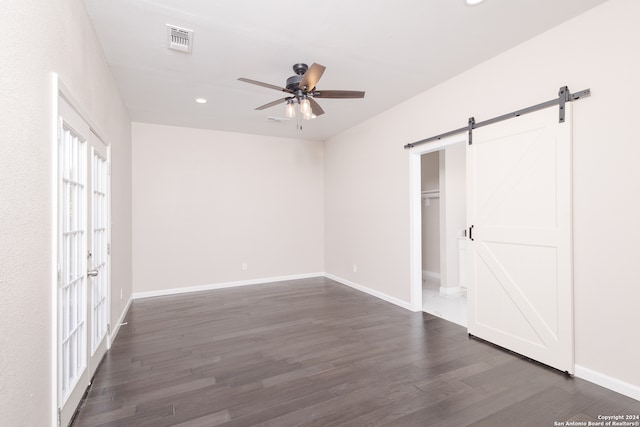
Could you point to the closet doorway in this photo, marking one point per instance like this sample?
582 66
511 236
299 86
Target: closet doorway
438 236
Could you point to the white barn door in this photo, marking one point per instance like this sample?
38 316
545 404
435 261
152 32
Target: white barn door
520 290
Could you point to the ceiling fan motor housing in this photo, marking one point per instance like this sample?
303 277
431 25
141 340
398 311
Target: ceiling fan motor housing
293 82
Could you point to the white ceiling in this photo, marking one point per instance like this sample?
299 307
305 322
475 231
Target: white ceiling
390 49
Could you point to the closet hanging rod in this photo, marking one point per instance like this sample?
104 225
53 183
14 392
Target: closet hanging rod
564 96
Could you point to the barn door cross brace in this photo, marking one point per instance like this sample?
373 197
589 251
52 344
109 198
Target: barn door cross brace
564 96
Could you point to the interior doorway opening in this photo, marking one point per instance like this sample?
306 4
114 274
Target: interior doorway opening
443 215
438 224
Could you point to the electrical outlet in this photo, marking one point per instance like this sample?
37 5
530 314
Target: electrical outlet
245 266
355 268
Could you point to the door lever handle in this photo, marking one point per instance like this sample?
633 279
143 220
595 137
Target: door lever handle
92 273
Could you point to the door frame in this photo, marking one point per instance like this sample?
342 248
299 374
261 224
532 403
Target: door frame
58 90
415 212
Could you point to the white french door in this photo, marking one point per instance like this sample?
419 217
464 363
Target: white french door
520 291
83 262
98 259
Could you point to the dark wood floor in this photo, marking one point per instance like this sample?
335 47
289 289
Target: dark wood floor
316 353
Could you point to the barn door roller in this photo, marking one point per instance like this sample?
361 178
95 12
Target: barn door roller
564 96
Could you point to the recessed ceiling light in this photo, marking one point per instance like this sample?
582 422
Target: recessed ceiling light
201 100
472 2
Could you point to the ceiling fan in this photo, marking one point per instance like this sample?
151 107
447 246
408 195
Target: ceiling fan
302 91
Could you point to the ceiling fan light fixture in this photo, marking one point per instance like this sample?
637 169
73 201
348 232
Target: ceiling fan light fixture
472 2
305 108
290 109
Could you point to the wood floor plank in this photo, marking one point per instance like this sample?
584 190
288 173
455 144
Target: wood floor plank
312 352
559 404
210 420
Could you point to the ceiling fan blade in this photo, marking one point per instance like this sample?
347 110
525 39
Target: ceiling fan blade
338 94
315 107
267 85
311 77
271 104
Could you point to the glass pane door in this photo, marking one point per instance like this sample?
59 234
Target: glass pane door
99 250
73 259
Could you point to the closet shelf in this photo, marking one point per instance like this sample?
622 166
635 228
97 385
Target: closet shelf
430 194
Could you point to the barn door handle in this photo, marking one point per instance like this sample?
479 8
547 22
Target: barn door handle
471 232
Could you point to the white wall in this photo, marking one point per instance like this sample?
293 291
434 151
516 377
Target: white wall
367 179
205 202
366 208
453 210
430 170
39 38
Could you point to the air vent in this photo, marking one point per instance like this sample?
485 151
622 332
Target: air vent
179 38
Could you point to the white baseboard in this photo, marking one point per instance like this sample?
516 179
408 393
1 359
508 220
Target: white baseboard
619 386
209 287
115 329
175 291
430 275
377 294
450 291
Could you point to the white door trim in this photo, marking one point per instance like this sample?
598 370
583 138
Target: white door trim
53 287
415 212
